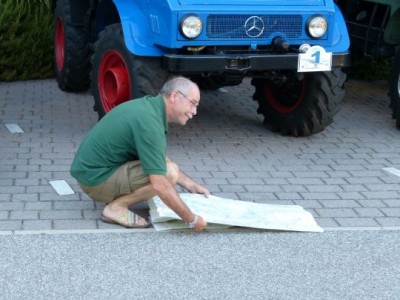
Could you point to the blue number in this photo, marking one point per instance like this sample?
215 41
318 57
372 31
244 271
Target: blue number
317 55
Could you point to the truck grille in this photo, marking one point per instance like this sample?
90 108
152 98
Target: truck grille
233 26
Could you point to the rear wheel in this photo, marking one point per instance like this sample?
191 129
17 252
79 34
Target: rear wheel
71 51
118 75
394 88
299 104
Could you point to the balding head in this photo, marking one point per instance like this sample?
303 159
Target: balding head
178 83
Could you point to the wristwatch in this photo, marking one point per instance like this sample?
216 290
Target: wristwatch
192 224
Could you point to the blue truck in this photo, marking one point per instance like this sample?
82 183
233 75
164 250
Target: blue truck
123 49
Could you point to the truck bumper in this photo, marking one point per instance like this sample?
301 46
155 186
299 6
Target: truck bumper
248 63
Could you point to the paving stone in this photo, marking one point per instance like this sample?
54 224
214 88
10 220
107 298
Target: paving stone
391 212
73 205
37 225
318 196
381 195
92 214
5 197
389 221
8 206
253 197
369 212
297 188
308 203
324 188
336 212
74 224
10 225
25 197
307 182
326 222
4 215
39 205
60 214
357 222
337 174
12 189
268 188
338 203
232 188
373 203
24 215
288 196
392 202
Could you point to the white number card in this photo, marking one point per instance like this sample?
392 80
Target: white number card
314 60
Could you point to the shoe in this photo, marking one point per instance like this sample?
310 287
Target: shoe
127 220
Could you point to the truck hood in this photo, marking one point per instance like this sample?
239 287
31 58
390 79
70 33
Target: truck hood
253 2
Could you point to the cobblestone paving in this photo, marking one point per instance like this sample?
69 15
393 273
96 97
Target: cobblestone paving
337 175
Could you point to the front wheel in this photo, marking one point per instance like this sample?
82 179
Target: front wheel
394 88
118 75
299 104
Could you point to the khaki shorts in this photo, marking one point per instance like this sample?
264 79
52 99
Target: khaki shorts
125 180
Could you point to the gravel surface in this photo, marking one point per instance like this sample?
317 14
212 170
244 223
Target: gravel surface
219 265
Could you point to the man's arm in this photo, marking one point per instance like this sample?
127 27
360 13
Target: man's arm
168 194
190 185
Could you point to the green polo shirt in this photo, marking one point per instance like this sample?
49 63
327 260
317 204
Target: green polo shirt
134 130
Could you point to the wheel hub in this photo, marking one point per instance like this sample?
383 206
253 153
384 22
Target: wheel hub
285 98
59 44
114 82
116 85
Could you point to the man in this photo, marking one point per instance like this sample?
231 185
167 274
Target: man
123 161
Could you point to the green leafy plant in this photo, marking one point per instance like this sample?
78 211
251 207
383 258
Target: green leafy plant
25 40
369 68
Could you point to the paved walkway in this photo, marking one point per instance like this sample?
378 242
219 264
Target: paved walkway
337 175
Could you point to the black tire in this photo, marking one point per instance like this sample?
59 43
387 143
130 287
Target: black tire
118 75
71 51
300 104
394 88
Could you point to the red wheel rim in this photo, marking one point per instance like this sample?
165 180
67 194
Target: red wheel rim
114 84
59 44
281 104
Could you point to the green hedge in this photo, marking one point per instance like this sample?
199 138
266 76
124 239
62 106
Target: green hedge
365 68
26 35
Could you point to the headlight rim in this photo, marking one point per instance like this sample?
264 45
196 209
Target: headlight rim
181 24
309 21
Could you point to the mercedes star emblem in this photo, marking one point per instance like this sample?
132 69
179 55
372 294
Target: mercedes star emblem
254 26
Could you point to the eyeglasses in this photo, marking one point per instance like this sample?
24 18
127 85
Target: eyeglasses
193 102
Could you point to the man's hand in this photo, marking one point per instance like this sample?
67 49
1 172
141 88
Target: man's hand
200 225
196 188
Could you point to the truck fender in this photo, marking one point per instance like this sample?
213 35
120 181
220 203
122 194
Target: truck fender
341 39
137 33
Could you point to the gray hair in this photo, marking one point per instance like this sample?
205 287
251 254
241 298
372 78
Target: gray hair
178 83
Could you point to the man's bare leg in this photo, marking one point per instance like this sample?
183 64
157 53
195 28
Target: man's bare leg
120 205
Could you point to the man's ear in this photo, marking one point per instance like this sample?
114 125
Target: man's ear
172 97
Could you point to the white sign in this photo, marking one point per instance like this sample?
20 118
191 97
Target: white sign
61 187
392 170
221 212
14 128
316 59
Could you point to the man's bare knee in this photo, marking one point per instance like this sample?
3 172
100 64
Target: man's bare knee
172 172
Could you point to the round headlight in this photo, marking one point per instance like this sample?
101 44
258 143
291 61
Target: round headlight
191 26
317 26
